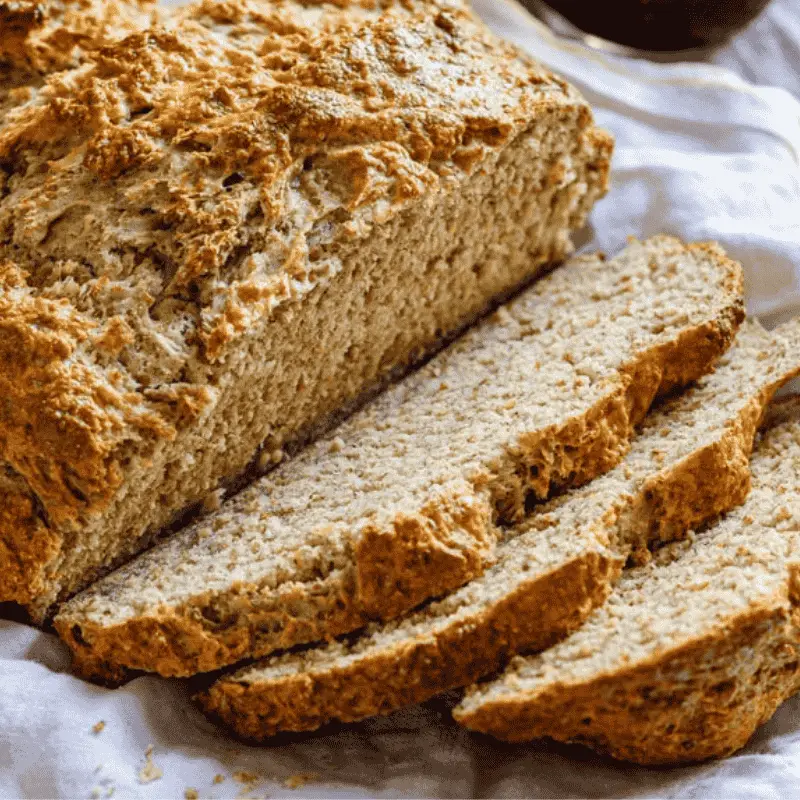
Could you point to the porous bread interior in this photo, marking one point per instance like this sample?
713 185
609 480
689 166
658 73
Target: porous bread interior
397 288
608 517
279 564
690 652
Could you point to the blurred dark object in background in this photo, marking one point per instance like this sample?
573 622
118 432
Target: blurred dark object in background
655 25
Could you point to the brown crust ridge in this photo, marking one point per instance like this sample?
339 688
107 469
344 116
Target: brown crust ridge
190 639
42 38
419 670
688 705
26 554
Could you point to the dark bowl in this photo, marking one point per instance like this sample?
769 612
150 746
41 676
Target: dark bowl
661 25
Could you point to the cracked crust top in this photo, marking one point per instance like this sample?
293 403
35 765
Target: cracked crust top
42 38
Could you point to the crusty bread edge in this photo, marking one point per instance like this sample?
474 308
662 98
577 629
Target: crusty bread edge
632 716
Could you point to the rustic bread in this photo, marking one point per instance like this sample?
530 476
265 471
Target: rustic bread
207 248
402 501
688 463
38 39
692 652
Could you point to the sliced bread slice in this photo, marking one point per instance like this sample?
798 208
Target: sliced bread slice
689 463
691 653
401 503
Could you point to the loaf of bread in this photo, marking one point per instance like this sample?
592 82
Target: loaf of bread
688 464
218 232
403 501
691 652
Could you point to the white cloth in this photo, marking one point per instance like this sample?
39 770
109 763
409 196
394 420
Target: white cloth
701 154
768 52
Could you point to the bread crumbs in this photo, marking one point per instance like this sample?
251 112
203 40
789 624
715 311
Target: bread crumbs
218 779
299 780
191 794
98 727
149 772
249 781
246 777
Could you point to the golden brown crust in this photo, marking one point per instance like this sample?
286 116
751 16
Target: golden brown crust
42 38
714 479
700 701
397 568
27 545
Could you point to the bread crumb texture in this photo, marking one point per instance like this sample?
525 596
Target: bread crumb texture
409 506
691 652
688 463
244 206
150 771
300 779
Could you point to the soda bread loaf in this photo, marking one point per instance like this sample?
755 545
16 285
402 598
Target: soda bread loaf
687 464
38 39
691 652
208 247
403 501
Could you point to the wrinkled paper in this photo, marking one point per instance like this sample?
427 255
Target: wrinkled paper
701 154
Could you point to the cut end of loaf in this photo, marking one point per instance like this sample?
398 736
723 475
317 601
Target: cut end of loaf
141 382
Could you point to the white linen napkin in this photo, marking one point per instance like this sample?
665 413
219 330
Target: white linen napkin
700 154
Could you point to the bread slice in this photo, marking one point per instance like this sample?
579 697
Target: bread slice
211 248
39 39
691 652
689 463
402 502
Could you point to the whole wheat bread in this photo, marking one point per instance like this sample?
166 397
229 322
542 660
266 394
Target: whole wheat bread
402 502
688 464
211 241
692 652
